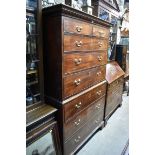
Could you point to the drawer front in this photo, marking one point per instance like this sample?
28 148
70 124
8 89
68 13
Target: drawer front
77 82
99 44
76 26
114 98
76 43
79 61
116 83
83 133
75 106
116 90
78 121
112 104
100 32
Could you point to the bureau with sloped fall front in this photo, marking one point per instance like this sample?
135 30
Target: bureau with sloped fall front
115 80
75 58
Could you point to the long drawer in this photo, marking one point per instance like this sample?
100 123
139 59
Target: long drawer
79 81
77 43
77 27
112 104
116 83
117 91
75 106
78 121
84 43
79 61
114 96
83 133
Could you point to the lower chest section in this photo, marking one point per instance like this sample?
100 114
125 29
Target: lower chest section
81 116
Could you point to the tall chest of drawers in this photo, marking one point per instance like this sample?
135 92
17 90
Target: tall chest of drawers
75 57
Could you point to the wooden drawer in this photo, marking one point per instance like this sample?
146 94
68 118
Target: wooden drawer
79 81
83 133
114 96
76 43
79 61
116 90
75 106
100 32
116 83
99 44
78 121
112 104
77 27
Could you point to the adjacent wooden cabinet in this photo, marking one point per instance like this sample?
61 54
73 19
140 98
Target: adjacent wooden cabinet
41 131
122 56
115 79
75 48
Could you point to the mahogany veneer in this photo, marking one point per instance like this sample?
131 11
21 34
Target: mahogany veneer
75 58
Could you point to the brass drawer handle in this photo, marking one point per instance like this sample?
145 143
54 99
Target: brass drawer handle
98 93
99 58
77 139
98 73
77 122
77 82
78 43
79 28
100 44
78 105
96 121
77 61
98 106
101 32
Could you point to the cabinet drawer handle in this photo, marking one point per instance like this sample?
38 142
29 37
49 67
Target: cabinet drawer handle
77 139
99 58
98 106
77 61
79 28
98 73
101 32
77 122
98 92
78 43
96 121
77 82
78 105
100 44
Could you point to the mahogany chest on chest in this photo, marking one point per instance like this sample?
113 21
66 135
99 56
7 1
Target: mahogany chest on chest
75 58
115 80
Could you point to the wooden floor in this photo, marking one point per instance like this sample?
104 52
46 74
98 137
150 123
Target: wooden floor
113 139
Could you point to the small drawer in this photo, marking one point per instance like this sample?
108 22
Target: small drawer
75 106
76 43
80 61
100 32
72 144
78 121
99 44
79 81
77 27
